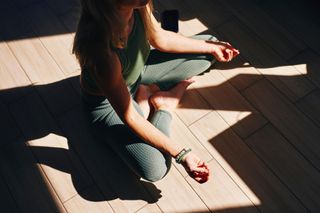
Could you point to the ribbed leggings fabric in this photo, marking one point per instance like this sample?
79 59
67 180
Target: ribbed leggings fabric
165 70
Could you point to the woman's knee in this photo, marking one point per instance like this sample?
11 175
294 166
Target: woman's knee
205 37
151 164
156 173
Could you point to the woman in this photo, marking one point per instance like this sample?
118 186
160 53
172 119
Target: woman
130 91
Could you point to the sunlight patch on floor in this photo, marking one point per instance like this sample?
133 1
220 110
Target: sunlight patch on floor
233 117
191 27
288 70
222 192
54 157
302 68
51 141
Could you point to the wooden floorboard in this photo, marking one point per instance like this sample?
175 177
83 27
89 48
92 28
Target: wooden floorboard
26 181
269 30
43 21
150 208
222 193
182 134
51 149
306 27
239 73
8 204
119 186
292 123
288 164
309 105
243 166
308 63
8 123
229 103
80 204
283 76
13 77
255 120
177 194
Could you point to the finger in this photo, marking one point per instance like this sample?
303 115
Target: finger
229 46
225 43
200 175
220 56
200 170
235 52
229 54
201 179
203 164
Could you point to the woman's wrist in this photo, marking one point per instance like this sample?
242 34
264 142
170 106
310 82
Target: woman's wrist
181 155
211 47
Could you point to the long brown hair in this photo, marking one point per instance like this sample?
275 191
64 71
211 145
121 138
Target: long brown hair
101 29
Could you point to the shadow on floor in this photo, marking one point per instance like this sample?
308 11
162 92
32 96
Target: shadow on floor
55 109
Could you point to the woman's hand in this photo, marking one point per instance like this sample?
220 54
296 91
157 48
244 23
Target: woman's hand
196 168
223 51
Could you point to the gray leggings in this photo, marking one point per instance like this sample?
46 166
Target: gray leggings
165 70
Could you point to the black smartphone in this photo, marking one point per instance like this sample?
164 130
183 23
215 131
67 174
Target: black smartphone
170 20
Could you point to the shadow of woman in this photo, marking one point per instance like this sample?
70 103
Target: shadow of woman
41 119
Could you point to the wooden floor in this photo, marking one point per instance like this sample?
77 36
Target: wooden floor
256 120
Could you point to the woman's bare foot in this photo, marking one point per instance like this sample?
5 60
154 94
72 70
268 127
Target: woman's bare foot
142 97
169 100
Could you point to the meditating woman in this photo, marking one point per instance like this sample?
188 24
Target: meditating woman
130 89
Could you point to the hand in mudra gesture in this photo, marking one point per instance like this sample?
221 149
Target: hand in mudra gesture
196 168
223 51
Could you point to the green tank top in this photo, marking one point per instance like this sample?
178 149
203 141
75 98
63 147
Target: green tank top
132 58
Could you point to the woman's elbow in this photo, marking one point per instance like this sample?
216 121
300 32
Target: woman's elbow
130 116
159 43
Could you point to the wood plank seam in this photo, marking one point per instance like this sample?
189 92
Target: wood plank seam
277 57
146 206
193 121
301 98
235 182
84 165
199 140
274 173
213 109
78 194
75 152
15 123
237 13
44 174
197 192
283 135
16 59
10 192
37 36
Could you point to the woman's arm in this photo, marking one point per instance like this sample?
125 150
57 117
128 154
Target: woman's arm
109 78
114 88
167 41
